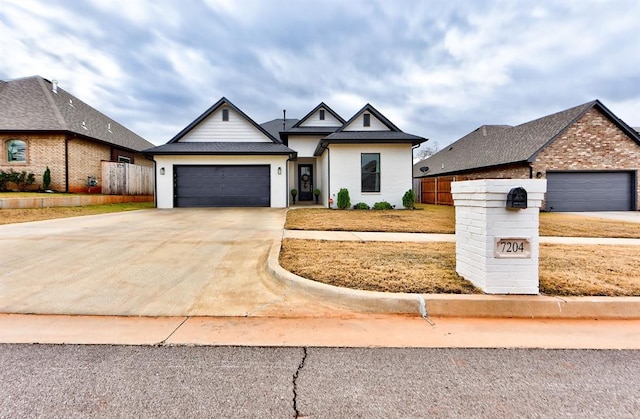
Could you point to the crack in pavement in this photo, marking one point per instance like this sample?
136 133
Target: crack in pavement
295 383
164 341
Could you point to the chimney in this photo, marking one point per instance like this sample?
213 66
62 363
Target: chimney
284 120
484 130
55 86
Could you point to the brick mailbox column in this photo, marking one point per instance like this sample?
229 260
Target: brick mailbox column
497 247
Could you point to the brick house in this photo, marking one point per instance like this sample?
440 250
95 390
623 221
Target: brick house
41 126
590 158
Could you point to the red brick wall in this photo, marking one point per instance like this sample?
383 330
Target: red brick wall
84 161
42 151
591 143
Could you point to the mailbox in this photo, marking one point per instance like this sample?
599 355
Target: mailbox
517 199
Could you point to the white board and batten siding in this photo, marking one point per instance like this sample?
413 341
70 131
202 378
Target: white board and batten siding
315 121
236 129
358 124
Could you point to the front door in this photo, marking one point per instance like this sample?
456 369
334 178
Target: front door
305 182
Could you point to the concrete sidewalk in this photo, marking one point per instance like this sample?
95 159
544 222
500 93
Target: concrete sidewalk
352 331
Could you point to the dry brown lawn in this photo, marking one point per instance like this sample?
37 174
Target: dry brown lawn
430 267
427 219
441 219
10 216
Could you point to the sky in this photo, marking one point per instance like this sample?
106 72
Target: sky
438 69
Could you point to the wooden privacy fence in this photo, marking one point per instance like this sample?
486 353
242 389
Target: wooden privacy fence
126 179
437 190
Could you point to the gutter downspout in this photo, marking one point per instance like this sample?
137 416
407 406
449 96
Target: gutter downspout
66 164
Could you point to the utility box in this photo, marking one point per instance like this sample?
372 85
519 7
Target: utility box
497 233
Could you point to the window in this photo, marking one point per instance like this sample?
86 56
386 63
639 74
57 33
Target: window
366 120
16 151
370 172
123 159
225 114
322 114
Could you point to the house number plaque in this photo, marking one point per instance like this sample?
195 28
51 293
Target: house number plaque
512 247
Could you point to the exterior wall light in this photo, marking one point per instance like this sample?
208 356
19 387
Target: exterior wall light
162 170
279 170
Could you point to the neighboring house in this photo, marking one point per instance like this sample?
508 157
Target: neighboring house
42 125
590 158
224 158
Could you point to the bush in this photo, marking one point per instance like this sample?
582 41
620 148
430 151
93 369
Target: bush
409 199
384 205
46 179
361 206
21 179
344 201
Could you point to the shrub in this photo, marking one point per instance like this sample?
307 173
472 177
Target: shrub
22 179
46 179
344 201
409 199
361 206
384 205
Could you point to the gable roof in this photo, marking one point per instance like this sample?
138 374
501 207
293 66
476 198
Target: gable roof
220 148
322 105
30 104
496 145
374 112
222 102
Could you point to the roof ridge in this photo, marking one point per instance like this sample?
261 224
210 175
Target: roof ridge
51 102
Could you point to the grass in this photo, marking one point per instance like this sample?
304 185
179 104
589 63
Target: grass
430 267
441 219
10 216
32 194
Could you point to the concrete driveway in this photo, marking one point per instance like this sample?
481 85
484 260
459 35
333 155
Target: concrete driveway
181 262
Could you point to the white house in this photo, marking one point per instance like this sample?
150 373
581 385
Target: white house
224 158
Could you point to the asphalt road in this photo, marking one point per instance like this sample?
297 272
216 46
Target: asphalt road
145 381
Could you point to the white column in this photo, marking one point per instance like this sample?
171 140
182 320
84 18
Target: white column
496 247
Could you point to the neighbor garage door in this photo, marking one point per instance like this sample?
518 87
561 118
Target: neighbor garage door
222 186
589 191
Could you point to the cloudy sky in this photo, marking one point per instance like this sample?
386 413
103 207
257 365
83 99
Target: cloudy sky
436 68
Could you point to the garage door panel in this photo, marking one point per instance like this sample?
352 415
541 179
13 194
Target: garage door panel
223 186
589 191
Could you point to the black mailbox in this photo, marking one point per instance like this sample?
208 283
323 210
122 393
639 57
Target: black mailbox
517 198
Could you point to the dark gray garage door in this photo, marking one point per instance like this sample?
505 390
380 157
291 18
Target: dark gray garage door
222 186
589 191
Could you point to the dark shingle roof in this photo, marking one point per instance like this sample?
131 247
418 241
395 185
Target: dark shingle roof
275 126
222 148
29 104
496 145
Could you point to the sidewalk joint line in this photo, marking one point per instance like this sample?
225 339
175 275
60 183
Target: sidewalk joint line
164 341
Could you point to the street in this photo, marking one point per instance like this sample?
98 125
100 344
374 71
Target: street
187 381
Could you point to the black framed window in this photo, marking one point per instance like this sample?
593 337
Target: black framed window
370 169
322 114
16 151
366 120
225 114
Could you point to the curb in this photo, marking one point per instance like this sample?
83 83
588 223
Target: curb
459 305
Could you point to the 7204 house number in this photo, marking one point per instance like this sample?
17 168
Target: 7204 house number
512 248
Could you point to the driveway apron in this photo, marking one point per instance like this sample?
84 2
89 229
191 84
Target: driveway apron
180 262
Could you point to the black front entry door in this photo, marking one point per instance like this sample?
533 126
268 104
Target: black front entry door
305 182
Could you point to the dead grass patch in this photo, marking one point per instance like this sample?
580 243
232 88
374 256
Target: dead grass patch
11 216
429 219
590 270
569 225
376 266
430 267
440 219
